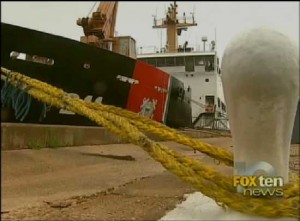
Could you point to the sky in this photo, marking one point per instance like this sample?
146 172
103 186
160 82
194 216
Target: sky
215 18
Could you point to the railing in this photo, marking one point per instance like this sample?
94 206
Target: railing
213 123
142 50
181 20
152 49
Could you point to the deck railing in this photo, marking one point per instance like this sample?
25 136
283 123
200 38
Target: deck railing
152 49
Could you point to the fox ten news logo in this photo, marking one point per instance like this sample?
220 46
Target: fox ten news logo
258 185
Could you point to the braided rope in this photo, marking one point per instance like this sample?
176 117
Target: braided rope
202 177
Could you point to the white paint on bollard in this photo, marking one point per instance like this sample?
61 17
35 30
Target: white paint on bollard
199 207
261 86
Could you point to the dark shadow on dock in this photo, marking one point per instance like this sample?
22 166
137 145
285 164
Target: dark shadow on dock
126 157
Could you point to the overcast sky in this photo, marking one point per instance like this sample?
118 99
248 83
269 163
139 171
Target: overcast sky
136 19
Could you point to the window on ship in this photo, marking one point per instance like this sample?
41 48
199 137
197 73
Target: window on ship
179 61
209 100
161 62
205 60
199 61
209 63
223 107
152 61
170 61
189 64
143 60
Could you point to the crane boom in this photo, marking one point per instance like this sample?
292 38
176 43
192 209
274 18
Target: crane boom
109 11
99 29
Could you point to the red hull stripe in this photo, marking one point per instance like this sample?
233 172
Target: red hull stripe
150 95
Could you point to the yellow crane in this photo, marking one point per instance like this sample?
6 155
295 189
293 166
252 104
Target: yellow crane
99 30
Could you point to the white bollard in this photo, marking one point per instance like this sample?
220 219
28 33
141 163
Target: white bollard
261 87
260 74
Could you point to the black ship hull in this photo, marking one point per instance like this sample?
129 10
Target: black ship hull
91 74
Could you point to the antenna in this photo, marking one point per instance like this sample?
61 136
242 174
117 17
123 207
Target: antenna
92 9
154 20
154 24
216 38
194 9
155 16
174 27
194 12
161 39
204 39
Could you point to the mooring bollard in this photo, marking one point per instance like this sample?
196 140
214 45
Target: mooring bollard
261 88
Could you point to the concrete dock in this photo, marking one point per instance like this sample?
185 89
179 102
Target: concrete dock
94 182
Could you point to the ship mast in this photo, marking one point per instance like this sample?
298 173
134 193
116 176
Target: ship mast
174 26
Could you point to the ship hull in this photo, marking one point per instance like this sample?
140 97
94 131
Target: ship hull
92 74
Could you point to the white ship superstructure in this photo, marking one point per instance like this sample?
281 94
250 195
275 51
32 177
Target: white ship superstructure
196 66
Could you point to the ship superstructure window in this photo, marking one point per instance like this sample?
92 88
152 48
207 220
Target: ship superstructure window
219 102
223 106
209 63
170 61
210 103
179 61
188 61
206 80
161 62
152 61
218 67
199 61
143 60
209 100
189 64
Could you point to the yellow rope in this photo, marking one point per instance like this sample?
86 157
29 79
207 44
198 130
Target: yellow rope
204 178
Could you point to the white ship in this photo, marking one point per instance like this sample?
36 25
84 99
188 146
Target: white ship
198 67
